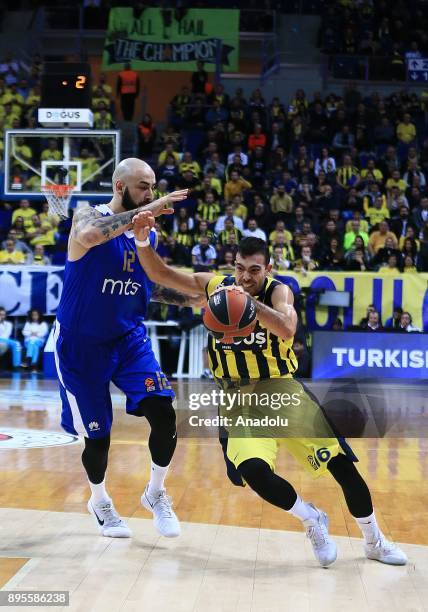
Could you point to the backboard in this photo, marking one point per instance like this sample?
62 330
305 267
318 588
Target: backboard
84 158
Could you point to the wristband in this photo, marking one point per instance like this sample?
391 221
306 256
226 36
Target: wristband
144 243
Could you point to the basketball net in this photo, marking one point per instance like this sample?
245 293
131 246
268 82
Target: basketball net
58 197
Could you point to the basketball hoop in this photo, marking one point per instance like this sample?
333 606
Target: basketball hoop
58 197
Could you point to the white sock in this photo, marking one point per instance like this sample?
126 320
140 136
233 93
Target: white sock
302 510
369 528
99 492
157 478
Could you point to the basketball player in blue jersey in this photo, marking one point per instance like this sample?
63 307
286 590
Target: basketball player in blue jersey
267 357
100 337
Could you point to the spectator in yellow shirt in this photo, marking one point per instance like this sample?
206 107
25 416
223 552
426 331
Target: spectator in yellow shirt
371 168
34 97
99 99
409 265
23 151
25 211
280 230
214 181
406 130
240 209
41 233
10 108
357 216
169 150
236 185
377 238
10 255
281 202
391 267
396 181
281 241
102 84
52 152
187 163
378 211
46 216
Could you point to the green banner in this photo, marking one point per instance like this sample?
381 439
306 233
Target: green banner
157 40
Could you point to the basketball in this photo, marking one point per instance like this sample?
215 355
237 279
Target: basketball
230 314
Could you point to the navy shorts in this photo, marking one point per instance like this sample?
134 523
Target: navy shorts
85 369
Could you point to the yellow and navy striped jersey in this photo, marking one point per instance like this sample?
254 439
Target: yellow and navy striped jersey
261 355
209 234
209 212
223 237
184 238
286 253
347 175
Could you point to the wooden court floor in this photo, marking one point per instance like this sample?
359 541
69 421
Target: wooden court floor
236 551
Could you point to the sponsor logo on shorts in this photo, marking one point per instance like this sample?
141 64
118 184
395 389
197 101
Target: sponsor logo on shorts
4 437
150 384
93 426
314 463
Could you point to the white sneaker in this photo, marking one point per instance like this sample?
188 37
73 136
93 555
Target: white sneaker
164 518
386 552
317 531
108 520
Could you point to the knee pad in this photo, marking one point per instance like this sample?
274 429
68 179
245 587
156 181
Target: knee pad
160 413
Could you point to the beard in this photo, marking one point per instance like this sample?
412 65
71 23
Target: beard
127 202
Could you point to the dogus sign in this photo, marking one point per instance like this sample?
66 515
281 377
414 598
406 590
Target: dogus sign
369 355
58 117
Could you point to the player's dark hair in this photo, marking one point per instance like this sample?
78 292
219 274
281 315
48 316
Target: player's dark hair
251 246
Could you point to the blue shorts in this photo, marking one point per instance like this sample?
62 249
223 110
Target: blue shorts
85 369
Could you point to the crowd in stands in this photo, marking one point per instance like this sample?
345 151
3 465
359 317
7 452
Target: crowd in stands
394 31
401 321
332 183
33 336
33 237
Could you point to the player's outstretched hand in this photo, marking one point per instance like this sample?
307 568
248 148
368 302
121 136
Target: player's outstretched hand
142 224
165 205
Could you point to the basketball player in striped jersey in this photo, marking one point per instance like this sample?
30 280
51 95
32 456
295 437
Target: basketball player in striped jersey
268 355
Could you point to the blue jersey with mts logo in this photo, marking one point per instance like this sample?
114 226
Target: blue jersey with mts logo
106 292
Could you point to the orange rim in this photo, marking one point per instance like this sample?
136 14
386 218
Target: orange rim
59 190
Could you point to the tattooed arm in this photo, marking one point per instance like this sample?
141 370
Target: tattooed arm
91 228
171 296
